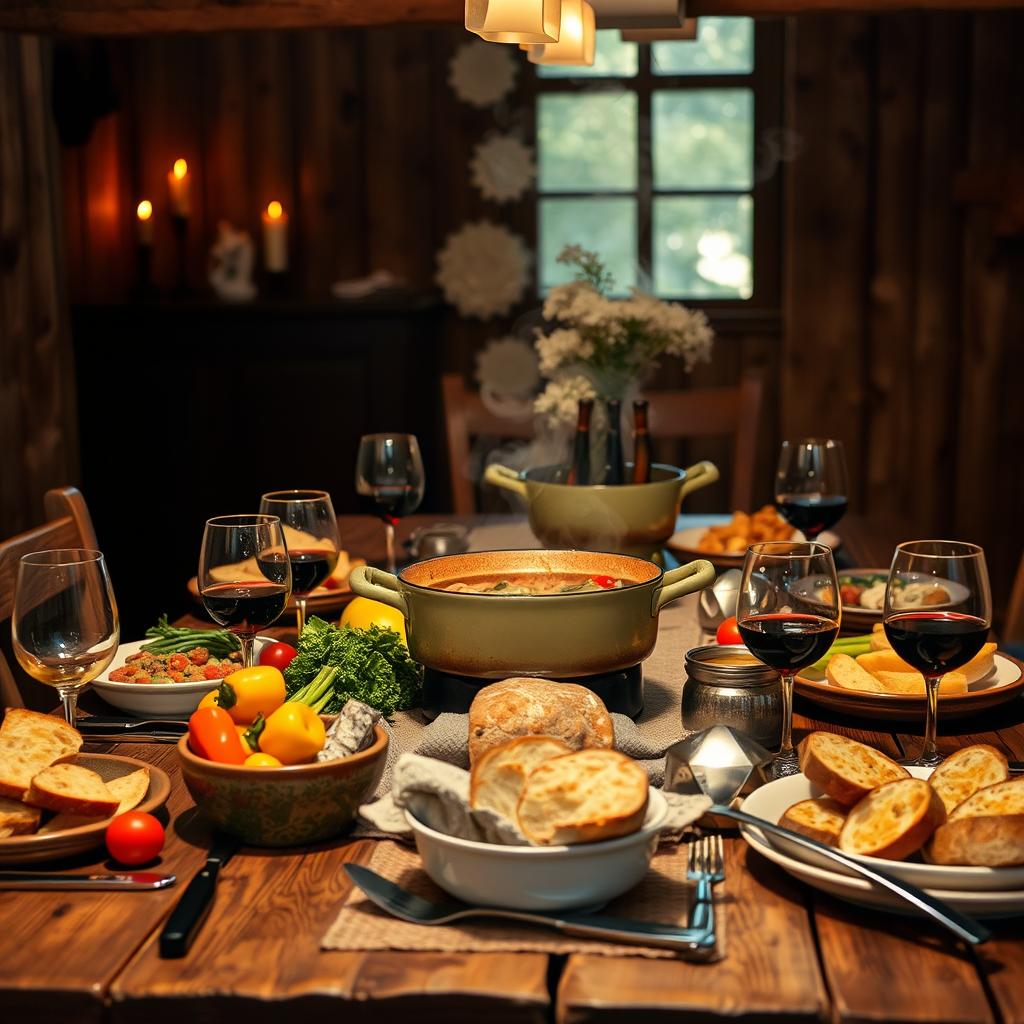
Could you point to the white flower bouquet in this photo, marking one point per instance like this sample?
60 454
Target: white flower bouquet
603 347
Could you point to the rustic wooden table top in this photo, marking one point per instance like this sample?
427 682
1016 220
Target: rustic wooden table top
792 953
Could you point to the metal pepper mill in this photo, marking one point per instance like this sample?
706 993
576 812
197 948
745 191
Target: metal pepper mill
721 762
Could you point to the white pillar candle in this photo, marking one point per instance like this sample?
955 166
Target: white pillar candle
179 188
275 238
144 215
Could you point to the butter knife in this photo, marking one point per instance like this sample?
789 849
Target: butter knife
52 880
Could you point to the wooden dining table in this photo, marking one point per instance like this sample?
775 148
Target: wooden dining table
792 952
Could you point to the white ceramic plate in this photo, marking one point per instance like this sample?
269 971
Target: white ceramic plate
773 799
156 699
539 877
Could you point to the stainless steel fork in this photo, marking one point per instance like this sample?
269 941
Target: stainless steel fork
705 868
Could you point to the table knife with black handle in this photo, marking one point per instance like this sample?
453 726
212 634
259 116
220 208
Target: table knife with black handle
190 912
65 880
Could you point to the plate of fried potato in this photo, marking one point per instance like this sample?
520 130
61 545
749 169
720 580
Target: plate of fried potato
724 542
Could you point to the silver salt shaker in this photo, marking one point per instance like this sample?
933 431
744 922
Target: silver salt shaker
726 685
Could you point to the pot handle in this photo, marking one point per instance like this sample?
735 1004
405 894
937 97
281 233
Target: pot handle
378 585
699 475
686 579
505 478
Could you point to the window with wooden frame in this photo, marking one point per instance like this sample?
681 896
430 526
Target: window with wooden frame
664 158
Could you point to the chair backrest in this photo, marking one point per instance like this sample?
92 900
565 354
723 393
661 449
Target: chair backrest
466 417
717 412
1013 627
69 525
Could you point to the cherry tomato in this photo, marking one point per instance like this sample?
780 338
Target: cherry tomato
278 655
607 582
729 632
134 838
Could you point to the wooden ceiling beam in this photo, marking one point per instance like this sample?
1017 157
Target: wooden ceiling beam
138 17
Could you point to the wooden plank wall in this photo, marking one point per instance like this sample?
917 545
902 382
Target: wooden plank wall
903 311
37 402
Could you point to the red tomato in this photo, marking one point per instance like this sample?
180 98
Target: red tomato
607 582
134 838
277 655
729 632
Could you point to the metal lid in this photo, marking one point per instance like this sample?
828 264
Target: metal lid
709 665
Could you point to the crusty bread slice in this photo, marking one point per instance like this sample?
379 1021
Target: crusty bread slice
30 742
583 797
879 641
496 782
913 683
886 660
986 830
845 769
16 818
72 789
1002 798
821 818
129 789
962 774
893 821
980 665
843 671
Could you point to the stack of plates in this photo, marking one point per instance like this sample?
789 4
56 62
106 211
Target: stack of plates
982 892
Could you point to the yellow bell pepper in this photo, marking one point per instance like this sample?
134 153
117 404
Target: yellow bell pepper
250 692
294 734
209 701
262 761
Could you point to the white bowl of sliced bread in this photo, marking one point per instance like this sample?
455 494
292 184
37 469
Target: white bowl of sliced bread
956 827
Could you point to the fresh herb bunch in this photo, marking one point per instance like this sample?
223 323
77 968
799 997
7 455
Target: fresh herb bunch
334 665
168 639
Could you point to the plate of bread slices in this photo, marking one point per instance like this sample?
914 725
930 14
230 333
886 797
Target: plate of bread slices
956 830
879 684
55 800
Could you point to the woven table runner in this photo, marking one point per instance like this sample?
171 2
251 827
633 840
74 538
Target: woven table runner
663 897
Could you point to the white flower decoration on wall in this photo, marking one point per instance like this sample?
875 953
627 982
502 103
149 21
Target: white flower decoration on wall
502 167
509 375
482 74
483 269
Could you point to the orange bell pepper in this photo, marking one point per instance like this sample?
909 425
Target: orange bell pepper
212 734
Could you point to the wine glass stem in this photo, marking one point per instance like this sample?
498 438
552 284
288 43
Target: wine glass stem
930 751
389 544
69 699
246 640
300 612
786 746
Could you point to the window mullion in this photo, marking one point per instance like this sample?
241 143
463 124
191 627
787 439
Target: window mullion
644 171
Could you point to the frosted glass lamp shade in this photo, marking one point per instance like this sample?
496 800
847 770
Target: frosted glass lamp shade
514 21
577 38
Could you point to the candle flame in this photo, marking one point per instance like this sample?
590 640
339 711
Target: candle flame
274 210
180 168
144 210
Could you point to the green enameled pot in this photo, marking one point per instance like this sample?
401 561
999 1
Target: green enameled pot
562 636
635 519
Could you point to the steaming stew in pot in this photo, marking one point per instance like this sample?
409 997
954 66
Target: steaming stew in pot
533 584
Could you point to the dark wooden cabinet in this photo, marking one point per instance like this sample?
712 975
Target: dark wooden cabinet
191 410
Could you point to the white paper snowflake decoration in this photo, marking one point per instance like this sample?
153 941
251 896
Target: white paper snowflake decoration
502 167
482 74
483 269
508 372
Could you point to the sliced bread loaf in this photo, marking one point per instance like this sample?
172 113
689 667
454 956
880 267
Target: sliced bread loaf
583 797
17 819
986 830
821 818
962 774
72 789
846 673
497 779
845 769
30 742
130 790
893 821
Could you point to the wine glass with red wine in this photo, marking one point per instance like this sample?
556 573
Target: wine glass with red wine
788 615
245 578
311 533
811 485
389 481
938 611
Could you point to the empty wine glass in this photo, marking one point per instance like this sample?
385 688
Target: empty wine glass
811 485
64 624
311 533
245 578
389 480
938 611
788 615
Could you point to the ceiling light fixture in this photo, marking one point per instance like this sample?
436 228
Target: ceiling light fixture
576 41
514 21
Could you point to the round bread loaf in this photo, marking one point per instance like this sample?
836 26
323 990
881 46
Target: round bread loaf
522 706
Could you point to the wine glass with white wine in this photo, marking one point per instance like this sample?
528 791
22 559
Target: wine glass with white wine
64 624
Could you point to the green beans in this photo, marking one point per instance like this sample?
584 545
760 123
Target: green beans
167 639
851 645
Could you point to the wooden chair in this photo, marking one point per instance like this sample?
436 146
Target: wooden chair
466 417
68 525
717 412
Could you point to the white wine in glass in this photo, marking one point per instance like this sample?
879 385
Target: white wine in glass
64 625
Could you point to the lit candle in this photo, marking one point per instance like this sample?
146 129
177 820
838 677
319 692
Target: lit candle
179 187
144 213
275 238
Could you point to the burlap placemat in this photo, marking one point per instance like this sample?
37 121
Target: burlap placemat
663 897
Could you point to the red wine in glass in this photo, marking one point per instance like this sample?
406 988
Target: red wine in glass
310 567
392 503
811 484
245 606
936 642
788 641
811 514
